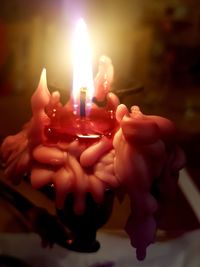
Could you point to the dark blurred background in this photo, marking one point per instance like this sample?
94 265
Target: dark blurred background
155 44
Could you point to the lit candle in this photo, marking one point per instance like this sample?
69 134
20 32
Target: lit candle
82 117
84 147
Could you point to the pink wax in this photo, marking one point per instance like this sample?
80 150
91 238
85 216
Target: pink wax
111 147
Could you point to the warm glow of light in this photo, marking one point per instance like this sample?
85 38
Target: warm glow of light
82 63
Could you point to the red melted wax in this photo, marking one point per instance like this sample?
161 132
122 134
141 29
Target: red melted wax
67 127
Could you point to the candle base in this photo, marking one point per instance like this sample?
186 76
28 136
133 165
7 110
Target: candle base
84 227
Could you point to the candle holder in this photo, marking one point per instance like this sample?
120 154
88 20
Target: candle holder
67 229
84 227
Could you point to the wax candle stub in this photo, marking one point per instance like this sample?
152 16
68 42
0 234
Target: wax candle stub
86 148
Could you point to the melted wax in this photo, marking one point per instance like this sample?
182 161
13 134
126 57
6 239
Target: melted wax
128 151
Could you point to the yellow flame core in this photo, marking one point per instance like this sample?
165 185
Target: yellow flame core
82 63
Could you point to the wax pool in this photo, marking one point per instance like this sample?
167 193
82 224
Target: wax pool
66 126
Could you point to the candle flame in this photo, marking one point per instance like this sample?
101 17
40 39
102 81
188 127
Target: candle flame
43 78
41 96
82 64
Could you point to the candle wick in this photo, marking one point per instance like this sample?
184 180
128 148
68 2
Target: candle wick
83 92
